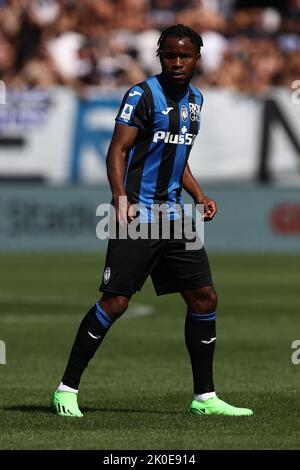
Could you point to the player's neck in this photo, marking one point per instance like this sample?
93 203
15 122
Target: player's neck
178 91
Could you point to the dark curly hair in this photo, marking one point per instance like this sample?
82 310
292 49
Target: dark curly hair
179 31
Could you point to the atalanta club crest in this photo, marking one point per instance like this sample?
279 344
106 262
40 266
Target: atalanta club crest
184 113
106 275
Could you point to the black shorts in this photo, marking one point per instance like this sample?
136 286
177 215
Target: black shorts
172 267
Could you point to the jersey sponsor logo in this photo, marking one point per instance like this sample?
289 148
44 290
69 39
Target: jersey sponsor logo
135 93
168 138
126 113
184 112
106 275
194 112
167 111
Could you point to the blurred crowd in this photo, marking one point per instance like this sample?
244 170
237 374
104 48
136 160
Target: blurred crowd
248 45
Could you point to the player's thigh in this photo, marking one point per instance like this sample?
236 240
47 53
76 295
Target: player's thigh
128 263
180 269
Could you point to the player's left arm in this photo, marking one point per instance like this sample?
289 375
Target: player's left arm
193 189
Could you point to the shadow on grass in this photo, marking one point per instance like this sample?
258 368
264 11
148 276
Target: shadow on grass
47 409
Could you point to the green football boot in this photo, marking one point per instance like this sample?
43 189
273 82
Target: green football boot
215 406
65 404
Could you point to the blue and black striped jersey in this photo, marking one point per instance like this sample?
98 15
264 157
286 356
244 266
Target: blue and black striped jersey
168 124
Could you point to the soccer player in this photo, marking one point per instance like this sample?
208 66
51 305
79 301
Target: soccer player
147 162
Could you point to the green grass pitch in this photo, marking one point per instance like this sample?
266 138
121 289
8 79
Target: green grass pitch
137 390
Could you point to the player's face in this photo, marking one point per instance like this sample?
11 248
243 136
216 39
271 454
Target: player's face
178 60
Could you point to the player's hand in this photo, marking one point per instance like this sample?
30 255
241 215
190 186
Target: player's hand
124 212
131 212
210 207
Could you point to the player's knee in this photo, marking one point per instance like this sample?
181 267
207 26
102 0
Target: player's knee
119 304
213 300
114 305
206 300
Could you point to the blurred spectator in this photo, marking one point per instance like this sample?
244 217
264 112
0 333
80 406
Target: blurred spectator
64 47
249 46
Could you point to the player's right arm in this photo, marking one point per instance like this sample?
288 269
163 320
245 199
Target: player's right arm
122 141
130 120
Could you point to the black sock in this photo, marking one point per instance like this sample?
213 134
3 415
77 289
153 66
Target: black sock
90 335
200 334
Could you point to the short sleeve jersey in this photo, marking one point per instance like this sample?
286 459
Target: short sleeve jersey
167 124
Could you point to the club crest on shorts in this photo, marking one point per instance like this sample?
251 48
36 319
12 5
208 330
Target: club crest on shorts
106 275
184 113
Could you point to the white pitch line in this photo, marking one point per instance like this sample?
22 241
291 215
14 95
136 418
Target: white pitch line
42 299
138 310
135 310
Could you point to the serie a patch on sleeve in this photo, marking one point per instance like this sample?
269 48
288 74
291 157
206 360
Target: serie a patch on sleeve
126 112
